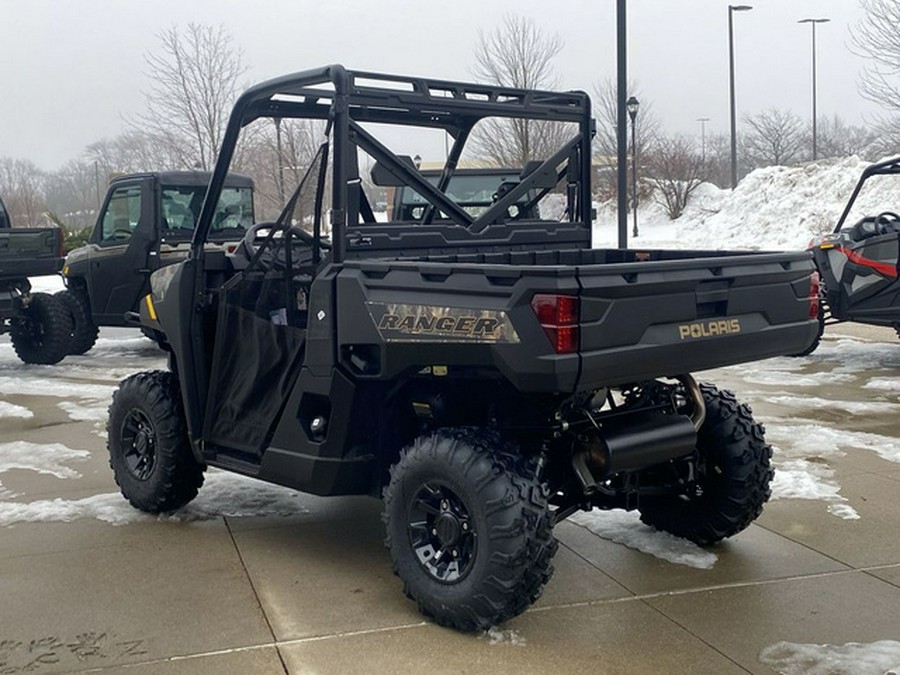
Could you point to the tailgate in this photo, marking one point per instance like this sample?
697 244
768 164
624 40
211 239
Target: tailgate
30 251
645 320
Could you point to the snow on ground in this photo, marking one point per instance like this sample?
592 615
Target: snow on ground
852 407
498 636
48 284
47 458
625 527
13 410
852 658
775 208
222 495
813 439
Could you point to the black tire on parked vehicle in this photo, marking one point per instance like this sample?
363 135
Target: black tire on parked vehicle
468 528
42 333
149 450
731 481
84 330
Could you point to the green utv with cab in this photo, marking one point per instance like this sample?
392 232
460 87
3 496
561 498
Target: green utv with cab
485 375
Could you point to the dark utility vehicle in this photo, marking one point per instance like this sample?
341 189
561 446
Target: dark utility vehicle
38 324
487 376
146 222
474 189
859 264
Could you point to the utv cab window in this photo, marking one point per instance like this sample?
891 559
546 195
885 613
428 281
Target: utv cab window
474 193
181 209
123 211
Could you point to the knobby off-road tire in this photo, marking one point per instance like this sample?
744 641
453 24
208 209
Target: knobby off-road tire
84 330
467 493
149 450
43 332
732 479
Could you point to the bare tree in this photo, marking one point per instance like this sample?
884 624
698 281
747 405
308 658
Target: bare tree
22 187
718 160
605 108
836 138
875 37
194 83
774 137
275 177
676 170
132 152
517 54
73 193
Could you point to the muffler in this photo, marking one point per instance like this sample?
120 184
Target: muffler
637 440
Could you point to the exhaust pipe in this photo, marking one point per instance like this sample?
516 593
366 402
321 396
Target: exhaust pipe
638 440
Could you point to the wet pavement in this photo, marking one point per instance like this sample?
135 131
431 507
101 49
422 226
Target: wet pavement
251 578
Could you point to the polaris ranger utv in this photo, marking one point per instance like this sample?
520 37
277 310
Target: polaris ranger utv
146 222
859 264
487 376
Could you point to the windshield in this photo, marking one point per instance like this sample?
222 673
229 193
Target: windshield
181 209
474 193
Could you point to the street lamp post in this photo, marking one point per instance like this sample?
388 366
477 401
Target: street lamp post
280 178
813 22
731 10
632 105
703 121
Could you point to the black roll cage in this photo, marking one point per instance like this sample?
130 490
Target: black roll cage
888 167
348 98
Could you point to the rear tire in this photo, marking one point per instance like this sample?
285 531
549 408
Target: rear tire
468 527
149 450
84 330
732 476
42 332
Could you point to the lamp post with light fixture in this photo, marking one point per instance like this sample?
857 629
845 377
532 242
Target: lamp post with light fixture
731 10
632 106
812 23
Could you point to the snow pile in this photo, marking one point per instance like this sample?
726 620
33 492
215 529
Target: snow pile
774 208
625 527
852 658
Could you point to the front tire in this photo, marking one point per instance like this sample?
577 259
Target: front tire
468 528
84 330
731 481
149 450
41 334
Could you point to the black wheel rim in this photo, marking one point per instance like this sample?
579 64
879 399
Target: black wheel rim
139 444
441 533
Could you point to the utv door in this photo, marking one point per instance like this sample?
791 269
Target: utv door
861 278
124 242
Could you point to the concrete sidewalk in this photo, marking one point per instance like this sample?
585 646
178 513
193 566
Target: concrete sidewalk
310 589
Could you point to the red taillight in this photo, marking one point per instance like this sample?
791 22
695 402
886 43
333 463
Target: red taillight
558 316
814 287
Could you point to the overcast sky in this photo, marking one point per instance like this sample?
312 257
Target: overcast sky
72 70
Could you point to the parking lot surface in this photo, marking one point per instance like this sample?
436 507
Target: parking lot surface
251 578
